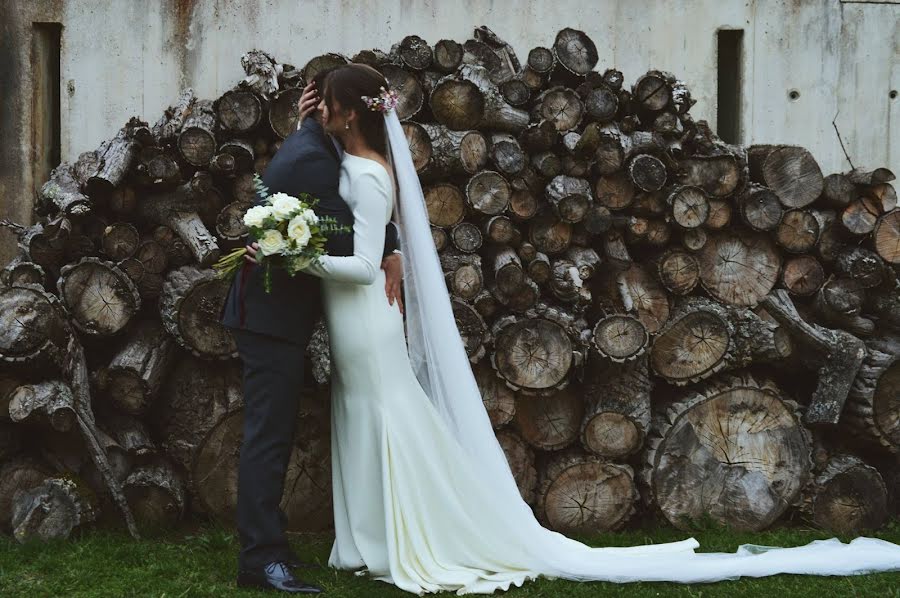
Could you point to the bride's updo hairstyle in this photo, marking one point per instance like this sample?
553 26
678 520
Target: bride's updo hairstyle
346 85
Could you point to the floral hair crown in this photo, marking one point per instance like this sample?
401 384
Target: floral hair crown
386 101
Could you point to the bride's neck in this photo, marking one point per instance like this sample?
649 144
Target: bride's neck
356 145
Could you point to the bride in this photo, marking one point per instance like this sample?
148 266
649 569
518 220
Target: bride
423 495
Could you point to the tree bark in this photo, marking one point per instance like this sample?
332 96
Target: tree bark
698 466
189 307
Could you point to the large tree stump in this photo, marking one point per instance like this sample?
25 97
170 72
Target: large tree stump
549 234
488 192
447 55
51 510
575 51
463 274
100 297
704 337
760 208
550 422
560 106
135 374
457 104
239 111
733 450
739 267
19 474
873 406
619 338
570 197
156 495
534 352
790 171
582 494
190 305
408 89
445 204
455 152
420 145
33 328
617 412
717 175
197 137
847 497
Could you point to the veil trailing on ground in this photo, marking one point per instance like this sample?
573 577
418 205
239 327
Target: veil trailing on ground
442 367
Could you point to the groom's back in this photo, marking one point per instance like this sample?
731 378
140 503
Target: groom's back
303 164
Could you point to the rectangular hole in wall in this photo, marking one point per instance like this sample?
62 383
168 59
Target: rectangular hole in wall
729 43
45 122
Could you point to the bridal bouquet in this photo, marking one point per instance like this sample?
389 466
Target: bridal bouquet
290 235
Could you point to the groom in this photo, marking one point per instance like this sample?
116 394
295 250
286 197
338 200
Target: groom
271 331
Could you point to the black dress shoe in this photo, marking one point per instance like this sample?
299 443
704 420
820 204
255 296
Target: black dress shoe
275 576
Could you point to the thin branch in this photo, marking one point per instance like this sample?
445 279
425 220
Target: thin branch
834 124
16 228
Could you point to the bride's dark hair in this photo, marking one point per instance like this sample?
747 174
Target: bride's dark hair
347 84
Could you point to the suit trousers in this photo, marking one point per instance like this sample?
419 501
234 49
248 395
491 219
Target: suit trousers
272 384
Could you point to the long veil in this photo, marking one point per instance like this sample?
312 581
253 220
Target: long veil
442 367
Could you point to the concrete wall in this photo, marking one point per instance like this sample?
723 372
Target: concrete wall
131 57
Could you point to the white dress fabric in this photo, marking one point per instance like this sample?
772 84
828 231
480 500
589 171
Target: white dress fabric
410 506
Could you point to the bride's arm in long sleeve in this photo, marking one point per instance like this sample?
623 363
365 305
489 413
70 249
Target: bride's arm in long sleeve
370 216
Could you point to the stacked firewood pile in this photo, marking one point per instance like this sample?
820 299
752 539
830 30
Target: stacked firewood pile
660 322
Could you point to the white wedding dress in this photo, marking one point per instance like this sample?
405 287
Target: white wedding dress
423 497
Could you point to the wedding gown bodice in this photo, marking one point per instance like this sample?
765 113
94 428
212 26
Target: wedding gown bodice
366 187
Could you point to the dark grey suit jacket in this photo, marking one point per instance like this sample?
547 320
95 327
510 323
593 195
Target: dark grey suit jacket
307 162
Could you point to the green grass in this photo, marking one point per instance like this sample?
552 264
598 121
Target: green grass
201 562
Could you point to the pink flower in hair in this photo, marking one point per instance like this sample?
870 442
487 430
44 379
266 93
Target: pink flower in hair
386 101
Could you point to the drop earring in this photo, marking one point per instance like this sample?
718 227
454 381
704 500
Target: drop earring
347 125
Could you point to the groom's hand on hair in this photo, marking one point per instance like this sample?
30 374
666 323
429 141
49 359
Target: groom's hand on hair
393 277
308 101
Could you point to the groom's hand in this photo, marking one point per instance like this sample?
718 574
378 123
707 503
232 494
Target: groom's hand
393 276
250 256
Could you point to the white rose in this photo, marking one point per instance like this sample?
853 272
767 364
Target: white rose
298 231
271 242
256 215
310 217
284 205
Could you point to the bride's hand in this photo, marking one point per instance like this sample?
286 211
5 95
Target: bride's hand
393 277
